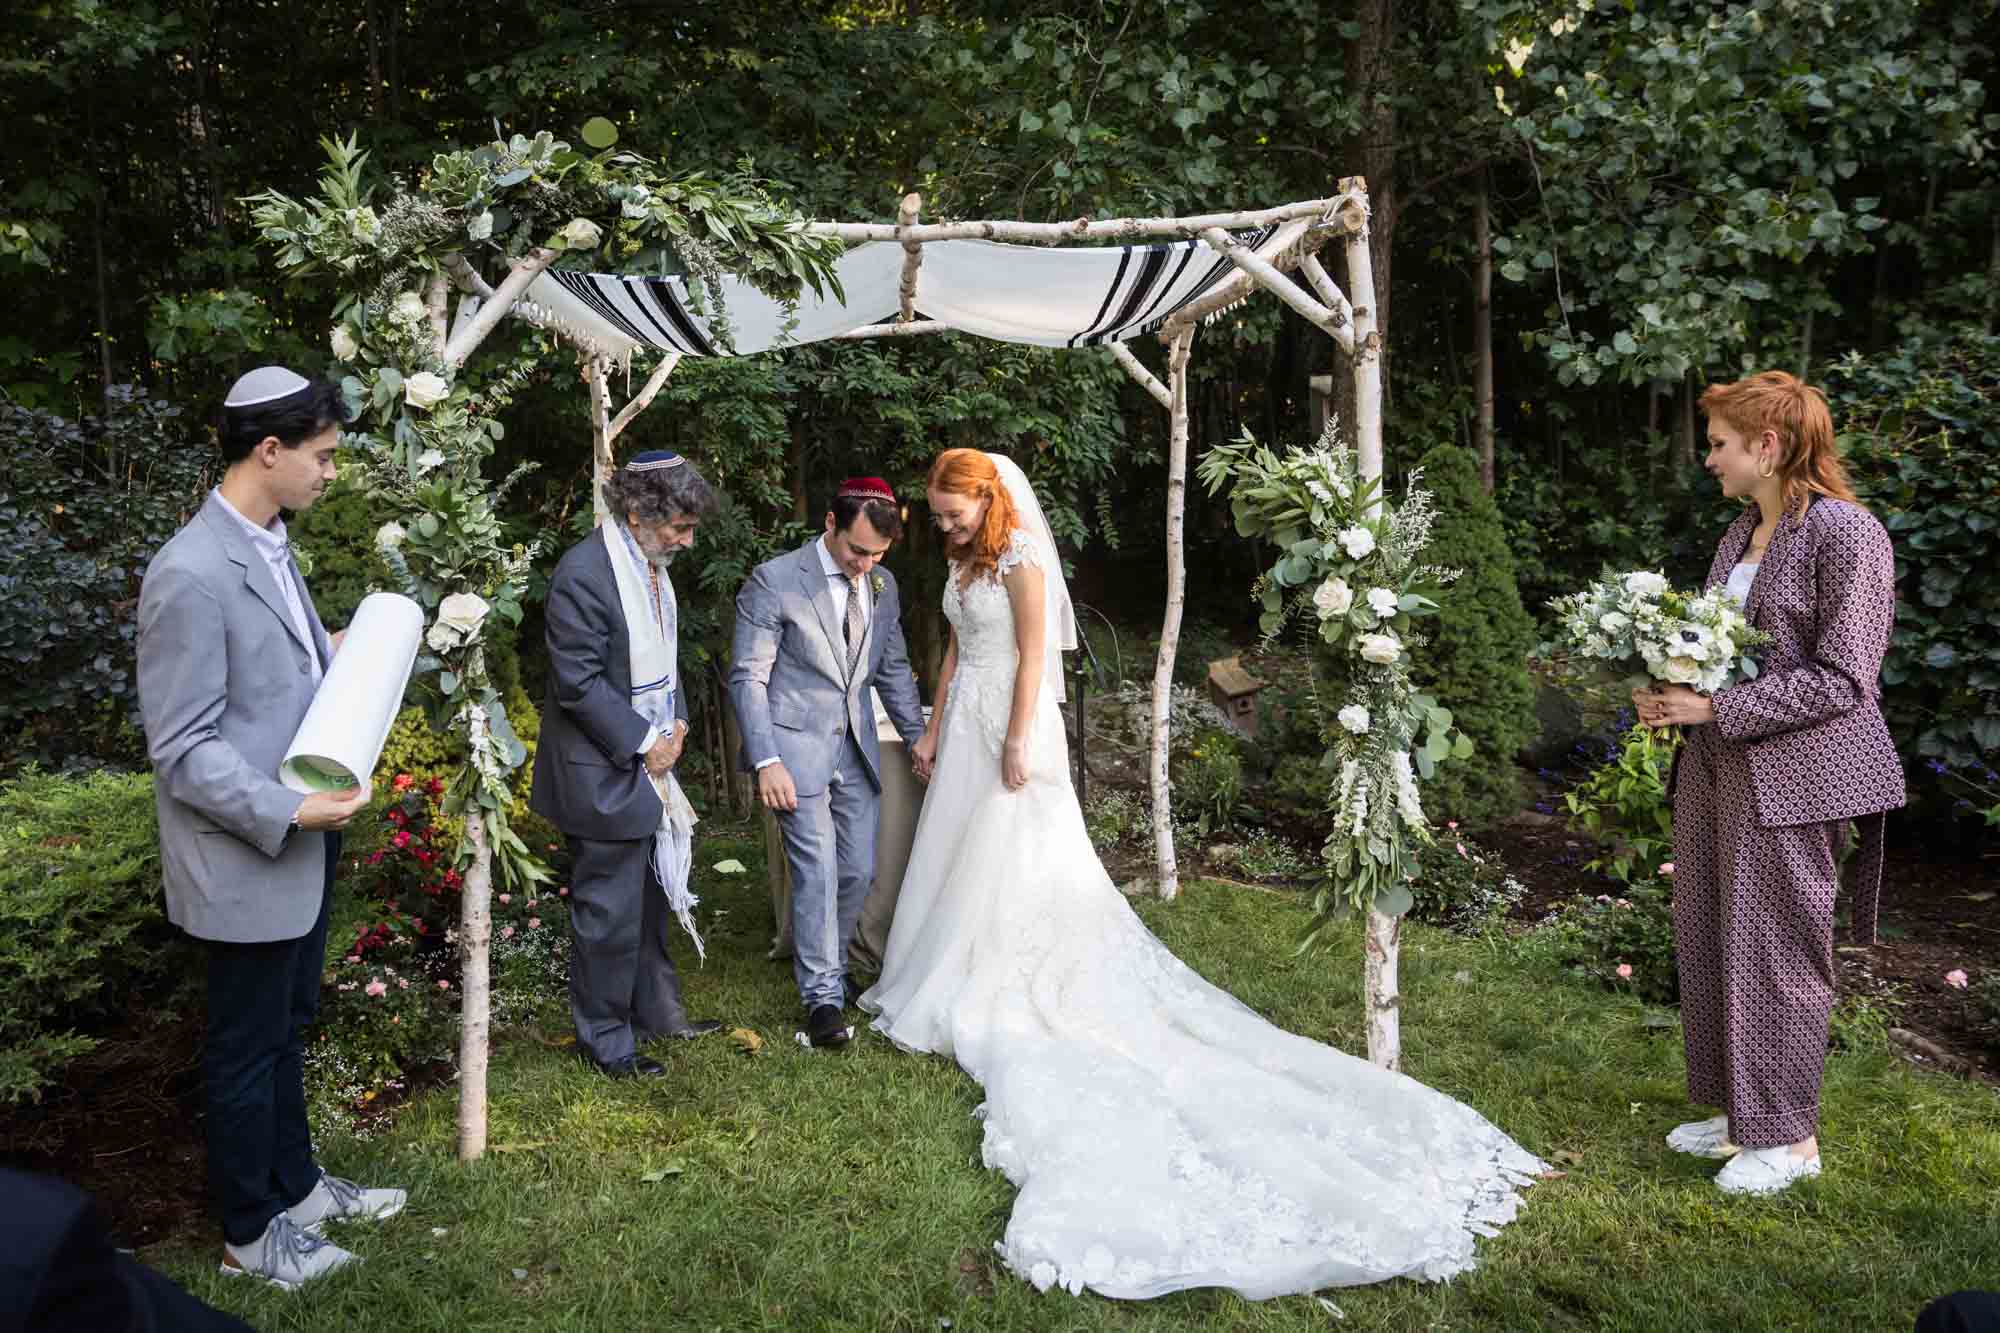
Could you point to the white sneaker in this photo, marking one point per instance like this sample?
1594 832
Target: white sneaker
1703 1138
1765 1170
286 1256
337 1200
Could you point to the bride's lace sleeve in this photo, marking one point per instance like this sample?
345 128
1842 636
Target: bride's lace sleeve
1021 549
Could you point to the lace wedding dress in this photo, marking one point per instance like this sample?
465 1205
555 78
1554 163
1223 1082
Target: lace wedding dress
1161 1134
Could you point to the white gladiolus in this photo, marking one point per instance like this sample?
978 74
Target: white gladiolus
1332 598
1355 718
1357 542
389 536
1381 649
462 611
1382 602
344 346
581 234
425 389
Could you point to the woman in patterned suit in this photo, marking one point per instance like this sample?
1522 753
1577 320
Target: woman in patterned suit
1771 772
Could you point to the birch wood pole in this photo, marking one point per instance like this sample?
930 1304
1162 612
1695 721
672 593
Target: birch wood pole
913 257
644 398
1081 229
475 946
1266 275
1170 628
1382 941
597 374
1124 356
489 315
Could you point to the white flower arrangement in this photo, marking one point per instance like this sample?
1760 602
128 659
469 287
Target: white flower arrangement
1634 629
345 348
1335 535
425 390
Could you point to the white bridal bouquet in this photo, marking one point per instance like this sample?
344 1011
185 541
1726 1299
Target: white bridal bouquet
1633 629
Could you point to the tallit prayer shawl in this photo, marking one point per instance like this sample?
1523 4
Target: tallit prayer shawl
1079 297
655 665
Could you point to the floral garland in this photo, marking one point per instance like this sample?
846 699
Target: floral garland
426 426
1350 572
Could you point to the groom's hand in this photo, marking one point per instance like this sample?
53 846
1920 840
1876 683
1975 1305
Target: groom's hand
775 789
661 758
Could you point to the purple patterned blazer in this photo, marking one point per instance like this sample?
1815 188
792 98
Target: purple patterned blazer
1811 721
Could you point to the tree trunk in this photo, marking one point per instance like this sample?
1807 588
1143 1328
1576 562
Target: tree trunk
1688 456
1482 334
1170 627
372 22
742 797
475 942
1805 344
795 465
103 296
1993 279
1385 1035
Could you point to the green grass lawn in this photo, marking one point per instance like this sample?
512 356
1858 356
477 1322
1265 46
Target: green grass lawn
793 1190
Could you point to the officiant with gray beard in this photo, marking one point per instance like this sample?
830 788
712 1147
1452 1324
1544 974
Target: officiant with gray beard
613 726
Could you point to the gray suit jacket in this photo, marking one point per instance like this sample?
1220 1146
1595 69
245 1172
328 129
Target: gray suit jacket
788 679
590 780
224 681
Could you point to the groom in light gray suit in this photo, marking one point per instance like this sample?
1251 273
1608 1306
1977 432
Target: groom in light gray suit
815 629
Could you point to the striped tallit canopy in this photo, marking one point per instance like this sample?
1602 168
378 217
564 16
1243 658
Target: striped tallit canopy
1012 293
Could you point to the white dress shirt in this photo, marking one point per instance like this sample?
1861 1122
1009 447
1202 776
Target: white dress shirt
271 543
843 588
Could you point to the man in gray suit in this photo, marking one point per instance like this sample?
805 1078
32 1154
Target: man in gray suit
599 757
815 629
230 653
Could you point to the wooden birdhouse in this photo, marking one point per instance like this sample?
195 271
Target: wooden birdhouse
1234 691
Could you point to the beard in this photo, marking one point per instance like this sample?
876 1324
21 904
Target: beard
660 559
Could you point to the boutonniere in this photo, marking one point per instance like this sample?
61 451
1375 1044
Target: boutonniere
304 560
879 584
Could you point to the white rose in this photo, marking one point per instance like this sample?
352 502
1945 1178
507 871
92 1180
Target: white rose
1357 542
409 308
481 227
1683 670
1382 602
581 234
1613 621
1355 718
1332 598
425 389
1645 584
462 611
1381 649
344 346
389 536
442 637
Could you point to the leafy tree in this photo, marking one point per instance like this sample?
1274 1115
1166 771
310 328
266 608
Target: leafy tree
1476 662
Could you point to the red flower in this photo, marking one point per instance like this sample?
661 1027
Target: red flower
396 816
402 839
375 858
403 781
426 856
435 787
452 879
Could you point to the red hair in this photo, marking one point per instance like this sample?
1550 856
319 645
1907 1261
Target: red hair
971 473
1808 462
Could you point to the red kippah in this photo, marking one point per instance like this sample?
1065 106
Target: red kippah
867 488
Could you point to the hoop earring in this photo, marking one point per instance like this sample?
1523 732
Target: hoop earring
1768 471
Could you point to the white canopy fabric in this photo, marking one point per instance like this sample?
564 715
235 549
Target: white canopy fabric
1076 297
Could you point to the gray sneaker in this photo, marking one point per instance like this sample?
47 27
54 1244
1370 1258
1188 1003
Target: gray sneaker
337 1200
285 1256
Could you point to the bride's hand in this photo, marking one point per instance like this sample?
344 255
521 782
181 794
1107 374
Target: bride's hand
1014 765
923 755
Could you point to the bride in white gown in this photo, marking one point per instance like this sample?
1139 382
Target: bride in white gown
1162 1135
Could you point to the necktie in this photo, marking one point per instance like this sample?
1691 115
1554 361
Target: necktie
852 628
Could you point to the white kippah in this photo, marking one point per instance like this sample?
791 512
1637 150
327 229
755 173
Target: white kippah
265 384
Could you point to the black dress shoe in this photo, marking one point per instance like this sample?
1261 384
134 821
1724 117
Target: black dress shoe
697 1027
826 1026
632 1066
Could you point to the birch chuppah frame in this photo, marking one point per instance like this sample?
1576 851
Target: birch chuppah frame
1042 284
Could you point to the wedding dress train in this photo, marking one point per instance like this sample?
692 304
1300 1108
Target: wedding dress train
1162 1134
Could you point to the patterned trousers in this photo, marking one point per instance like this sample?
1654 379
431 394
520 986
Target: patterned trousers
1753 935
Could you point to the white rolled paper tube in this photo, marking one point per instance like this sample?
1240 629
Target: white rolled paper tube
348 723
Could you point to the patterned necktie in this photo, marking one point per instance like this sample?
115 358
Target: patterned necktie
853 628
